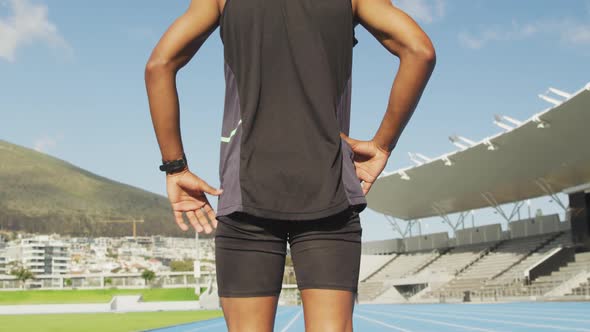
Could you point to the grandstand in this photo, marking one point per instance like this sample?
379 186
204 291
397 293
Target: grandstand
535 258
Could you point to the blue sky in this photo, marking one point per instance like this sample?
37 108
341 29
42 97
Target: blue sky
71 83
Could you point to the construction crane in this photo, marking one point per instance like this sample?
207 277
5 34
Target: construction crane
124 220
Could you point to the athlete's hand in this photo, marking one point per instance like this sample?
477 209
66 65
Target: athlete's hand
369 160
186 193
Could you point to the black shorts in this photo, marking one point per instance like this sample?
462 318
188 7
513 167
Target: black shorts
250 253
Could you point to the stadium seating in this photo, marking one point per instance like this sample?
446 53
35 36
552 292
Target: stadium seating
402 265
398 267
491 269
455 260
499 259
516 273
372 263
545 284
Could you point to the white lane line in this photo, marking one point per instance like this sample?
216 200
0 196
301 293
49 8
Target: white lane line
292 321
466 327
562 312
577 311
381 323
456 315
200 328
521 315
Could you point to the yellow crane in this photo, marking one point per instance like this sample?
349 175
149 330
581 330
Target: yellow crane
125 220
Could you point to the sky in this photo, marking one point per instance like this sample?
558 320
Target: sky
72 85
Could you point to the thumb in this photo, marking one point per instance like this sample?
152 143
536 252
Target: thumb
210 190
351 141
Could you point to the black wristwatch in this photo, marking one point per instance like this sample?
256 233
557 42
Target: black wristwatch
173 166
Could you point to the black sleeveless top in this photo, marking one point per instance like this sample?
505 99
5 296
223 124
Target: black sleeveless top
288 78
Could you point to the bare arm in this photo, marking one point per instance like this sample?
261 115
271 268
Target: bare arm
174 50
401 36
186 191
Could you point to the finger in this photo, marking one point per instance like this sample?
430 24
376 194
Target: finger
366 187
194 220
188 205
205 187
180 221
204 221
211 214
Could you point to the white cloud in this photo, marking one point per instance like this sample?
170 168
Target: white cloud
578 34
425 11
515 32
44 143
27 23
566 30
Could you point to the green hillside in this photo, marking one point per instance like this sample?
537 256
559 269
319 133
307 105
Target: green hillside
43 194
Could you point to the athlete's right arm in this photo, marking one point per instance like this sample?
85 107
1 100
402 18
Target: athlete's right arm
176 48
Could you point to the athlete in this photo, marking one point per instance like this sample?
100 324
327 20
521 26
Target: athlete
289 172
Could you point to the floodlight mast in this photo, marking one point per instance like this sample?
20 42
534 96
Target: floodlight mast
197 266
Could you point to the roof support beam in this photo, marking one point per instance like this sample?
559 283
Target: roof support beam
494 203
395 224
460 220
546 187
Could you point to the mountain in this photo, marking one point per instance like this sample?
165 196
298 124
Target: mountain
43 194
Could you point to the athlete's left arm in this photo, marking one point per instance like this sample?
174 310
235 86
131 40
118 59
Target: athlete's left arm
401 36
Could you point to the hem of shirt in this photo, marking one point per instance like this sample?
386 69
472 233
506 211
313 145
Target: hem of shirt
358 203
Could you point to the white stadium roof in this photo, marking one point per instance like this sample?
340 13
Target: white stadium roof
546 154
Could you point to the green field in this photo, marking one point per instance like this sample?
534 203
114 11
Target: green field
94 295
119 322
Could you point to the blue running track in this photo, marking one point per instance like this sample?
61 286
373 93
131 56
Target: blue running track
504 317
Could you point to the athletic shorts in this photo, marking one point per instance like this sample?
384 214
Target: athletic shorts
250 253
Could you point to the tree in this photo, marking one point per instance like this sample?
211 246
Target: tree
148 276
22 274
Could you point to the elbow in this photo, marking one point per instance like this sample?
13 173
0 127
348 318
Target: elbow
424 52
428 55
157 67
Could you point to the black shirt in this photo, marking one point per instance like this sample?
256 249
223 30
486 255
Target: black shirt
288 70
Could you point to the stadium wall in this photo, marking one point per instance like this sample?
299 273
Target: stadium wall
534 226
473 235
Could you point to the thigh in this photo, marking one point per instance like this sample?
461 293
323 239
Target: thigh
326 257
249 256
250 259
326 252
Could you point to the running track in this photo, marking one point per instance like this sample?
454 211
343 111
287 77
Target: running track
504 317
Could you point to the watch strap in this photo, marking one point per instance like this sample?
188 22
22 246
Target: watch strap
174 166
